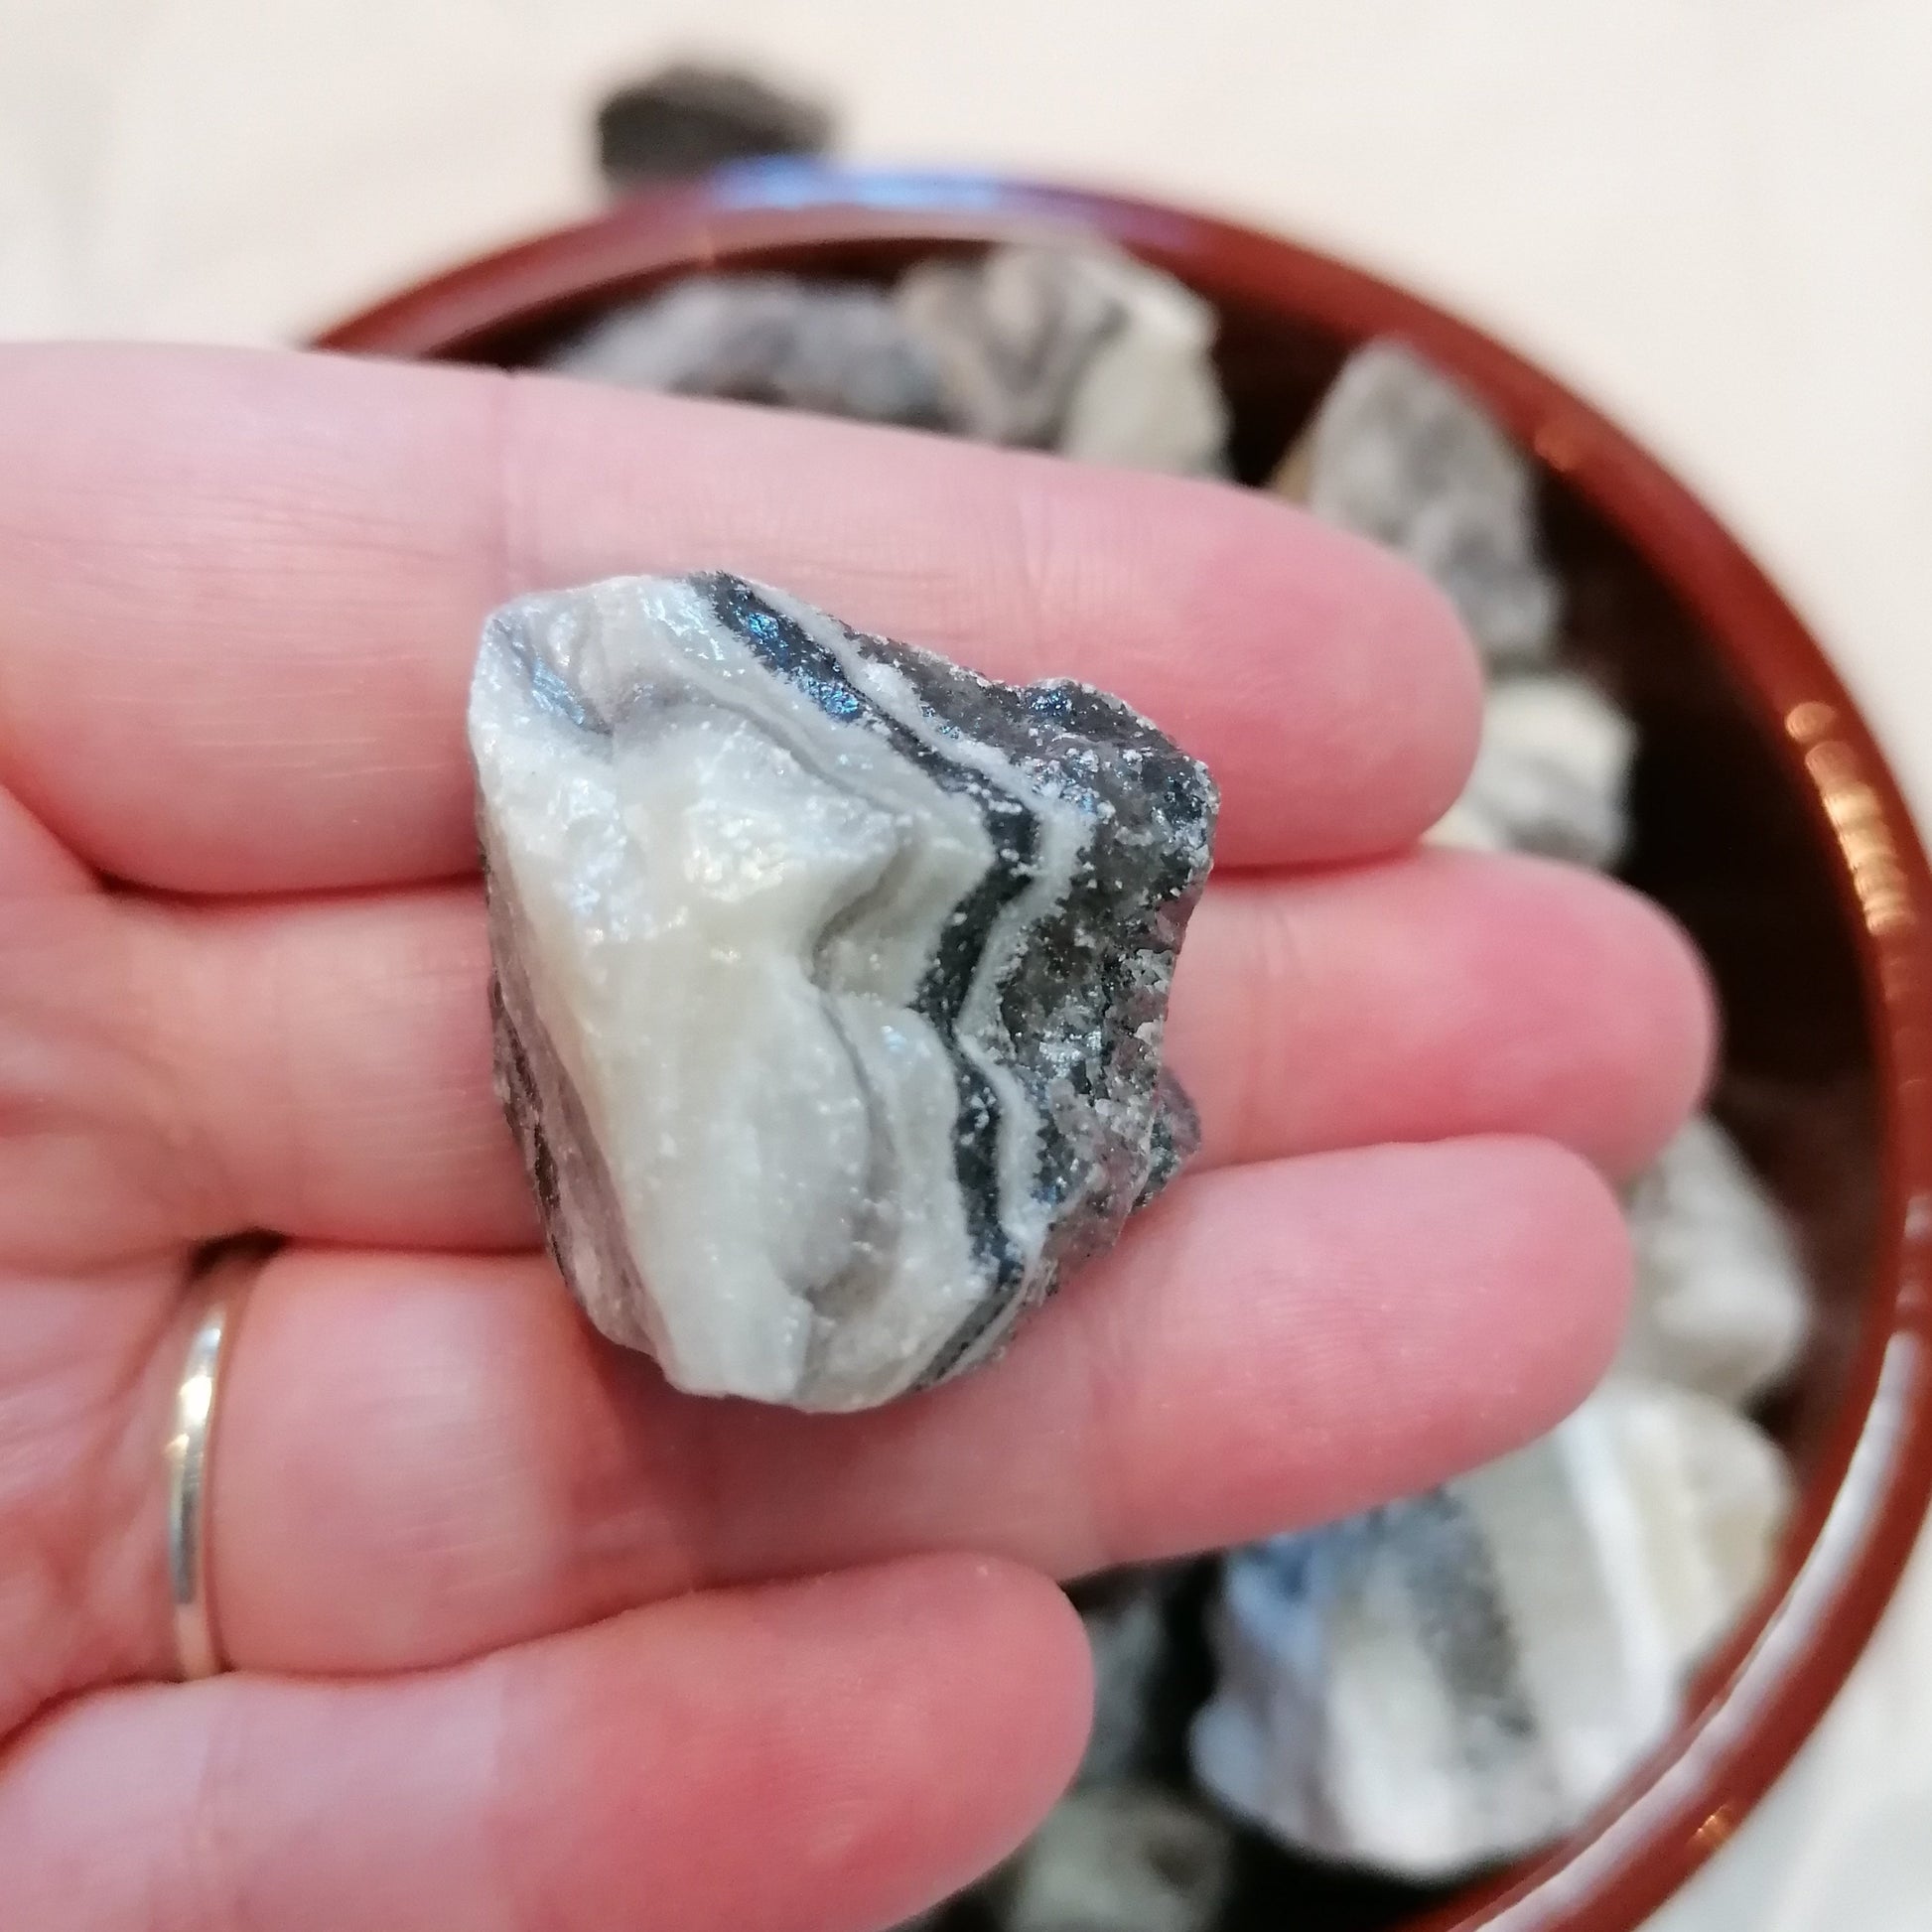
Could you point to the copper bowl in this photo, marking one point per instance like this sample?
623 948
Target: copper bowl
1766 821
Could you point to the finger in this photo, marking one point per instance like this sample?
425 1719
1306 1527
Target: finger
1440 995
822 1755
239 596
329 1060
420 1460
33 863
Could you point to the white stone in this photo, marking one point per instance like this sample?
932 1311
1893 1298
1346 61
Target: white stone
1120 1858
1457 1680
1076 349
1721 1301
1399 454
1551 775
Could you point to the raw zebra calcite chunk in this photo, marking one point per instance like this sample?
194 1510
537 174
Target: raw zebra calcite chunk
1399 454
838 349
1126 1617
1722 1303
1459 1678
1070 347
1551 775
830 978
1081 350
1118 1858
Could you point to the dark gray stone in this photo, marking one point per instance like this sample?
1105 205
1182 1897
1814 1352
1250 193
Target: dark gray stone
687 120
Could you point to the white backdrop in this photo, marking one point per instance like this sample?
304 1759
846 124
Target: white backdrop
1713 219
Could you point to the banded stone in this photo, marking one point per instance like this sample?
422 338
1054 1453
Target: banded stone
830 978
1461 1677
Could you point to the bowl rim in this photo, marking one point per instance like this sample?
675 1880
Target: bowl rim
1864 1502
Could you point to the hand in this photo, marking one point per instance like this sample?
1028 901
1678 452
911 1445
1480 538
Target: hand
519 1637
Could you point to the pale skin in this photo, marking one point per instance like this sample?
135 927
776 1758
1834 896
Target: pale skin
522 1637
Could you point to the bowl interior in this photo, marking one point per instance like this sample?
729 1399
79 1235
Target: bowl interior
1723 836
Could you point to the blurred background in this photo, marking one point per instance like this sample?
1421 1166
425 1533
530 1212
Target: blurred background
1714 219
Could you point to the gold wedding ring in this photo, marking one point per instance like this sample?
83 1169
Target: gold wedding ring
197 1401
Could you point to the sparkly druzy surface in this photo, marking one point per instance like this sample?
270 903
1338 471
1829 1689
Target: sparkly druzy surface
830 978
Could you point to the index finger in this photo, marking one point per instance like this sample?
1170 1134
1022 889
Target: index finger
240 592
